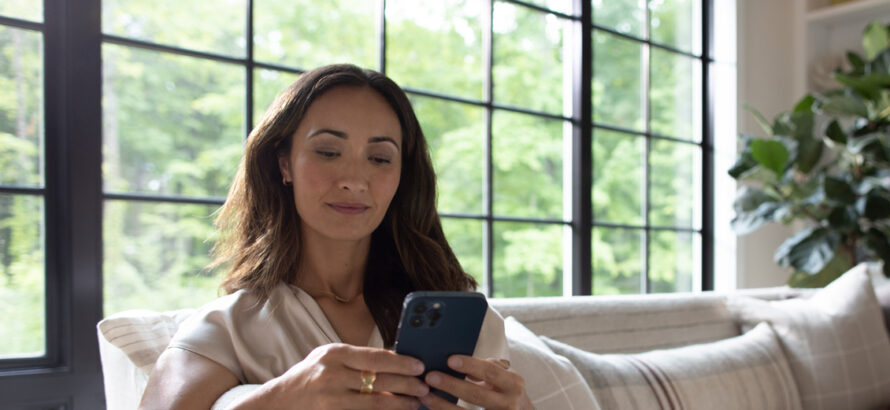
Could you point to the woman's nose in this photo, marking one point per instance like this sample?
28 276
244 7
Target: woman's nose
353 178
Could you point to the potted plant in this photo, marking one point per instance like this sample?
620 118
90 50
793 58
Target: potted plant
825 165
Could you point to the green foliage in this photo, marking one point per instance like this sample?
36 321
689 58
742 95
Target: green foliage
828 163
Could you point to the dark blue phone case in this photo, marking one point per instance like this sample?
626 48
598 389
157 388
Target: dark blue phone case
438 324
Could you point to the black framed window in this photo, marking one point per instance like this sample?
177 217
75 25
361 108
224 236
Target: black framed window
572 141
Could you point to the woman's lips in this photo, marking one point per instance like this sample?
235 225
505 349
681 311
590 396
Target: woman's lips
348 208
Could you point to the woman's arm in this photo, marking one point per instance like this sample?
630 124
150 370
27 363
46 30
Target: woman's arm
185 380
330 377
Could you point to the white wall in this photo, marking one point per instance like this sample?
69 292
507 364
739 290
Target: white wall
767 31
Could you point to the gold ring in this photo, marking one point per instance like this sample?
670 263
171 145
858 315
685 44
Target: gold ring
368 378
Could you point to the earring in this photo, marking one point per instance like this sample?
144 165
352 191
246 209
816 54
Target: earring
284 181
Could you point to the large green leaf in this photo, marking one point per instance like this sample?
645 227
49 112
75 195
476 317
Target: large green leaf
844 105
868 86
808 250
856 62
875 39
771 154
754 208
843 218
838 190
835 133
878 242
805 105
874 207
833 270
809 152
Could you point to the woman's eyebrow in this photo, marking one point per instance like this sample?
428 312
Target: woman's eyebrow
338 134
383 139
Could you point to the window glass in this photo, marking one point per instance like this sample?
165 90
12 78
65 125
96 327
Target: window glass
171 124
267 85
436 45
22 312
618 177
309 33
528 168
455 135
21 107
562 6
618 260
210 26
527 259
465 238
675 189
676 95
676 23
155 255
673 258
528 58
22 9
618 79
623 16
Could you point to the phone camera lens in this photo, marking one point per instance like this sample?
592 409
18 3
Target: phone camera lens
434 315
419 308
416 321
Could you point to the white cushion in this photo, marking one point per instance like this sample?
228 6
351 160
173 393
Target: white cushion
744 372
551 381
835 342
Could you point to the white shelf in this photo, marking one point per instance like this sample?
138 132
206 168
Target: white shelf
846 13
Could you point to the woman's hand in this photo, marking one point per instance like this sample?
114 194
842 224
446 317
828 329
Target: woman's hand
491 385
331 377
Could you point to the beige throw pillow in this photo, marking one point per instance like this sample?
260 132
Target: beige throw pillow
551 381
835 342
744 372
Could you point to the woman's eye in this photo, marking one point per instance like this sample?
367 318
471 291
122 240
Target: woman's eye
327 154
380 160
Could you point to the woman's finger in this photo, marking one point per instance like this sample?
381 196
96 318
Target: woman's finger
469 392
492 372
387 382
434 402
371 359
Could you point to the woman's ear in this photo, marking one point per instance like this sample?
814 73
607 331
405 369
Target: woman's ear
284 167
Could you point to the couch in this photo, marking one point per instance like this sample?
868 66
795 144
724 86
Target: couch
767 348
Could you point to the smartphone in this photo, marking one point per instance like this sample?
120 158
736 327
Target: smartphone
438 324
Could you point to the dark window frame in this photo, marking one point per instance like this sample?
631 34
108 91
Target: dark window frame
74 197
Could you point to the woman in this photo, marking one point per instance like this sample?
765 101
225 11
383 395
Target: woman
329 223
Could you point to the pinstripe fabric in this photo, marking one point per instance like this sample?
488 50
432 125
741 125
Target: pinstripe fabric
745 372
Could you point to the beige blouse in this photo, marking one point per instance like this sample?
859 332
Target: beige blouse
260 341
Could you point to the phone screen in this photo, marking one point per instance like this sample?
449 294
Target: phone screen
436 325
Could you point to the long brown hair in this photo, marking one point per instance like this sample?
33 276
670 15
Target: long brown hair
259 224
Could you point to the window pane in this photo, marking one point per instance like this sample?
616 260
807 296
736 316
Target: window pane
618 260
310 33
527 259
617 81
267 84
562 6
676 95
528 58
455 134
21 110
22 9
172 124
675 190
465 238
155 255
436 45
673 259
676 23
618 183
528 173
212 26
21 276
623 16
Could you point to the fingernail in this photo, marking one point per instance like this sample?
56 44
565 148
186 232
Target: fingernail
455 362
423 390
433 379
417 367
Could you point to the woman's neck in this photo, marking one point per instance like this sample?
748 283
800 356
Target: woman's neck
333 266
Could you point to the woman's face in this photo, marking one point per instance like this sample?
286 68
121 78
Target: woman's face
345 163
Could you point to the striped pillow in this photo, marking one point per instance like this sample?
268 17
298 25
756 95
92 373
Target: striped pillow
142 335
744 372
835 342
